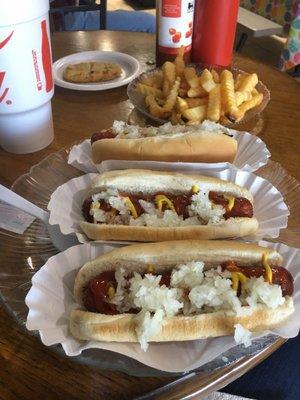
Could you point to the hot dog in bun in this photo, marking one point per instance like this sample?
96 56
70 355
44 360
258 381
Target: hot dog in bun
164 143
144 205
181 290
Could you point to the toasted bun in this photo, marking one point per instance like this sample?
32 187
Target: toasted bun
231 228
93 326
192 147
121 328
166 254
147 181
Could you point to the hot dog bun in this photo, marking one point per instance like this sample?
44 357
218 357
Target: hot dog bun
86 325
202 146
121 328
146 181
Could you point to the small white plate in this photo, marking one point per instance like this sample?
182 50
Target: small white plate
130 69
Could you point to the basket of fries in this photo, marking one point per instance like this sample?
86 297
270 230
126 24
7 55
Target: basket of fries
190 94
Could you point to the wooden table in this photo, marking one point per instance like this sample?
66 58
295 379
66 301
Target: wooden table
28 369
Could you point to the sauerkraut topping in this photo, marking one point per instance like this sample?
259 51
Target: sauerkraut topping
123 130
184 289
165 209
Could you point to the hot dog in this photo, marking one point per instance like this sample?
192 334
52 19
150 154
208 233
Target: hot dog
180 290
144 205
165 143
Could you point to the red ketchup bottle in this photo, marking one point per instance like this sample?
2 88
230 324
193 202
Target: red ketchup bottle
174 29
214 32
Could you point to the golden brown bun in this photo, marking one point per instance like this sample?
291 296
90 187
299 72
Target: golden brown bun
231 228
121 328
147 181
167 254
208 147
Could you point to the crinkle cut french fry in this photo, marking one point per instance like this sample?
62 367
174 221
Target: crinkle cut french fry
181 104
166 88
247 105
207 81
158 77
197 92
191 77
248 83
227 92
215 76
148 80
197 101
194 83
214 104
155 109
171 99
240 97
179 62
195 113
169 72
238 81
146 90
254 92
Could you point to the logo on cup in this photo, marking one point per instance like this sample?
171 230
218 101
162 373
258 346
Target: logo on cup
2 73
39 84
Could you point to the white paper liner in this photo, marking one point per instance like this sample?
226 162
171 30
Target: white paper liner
269 208
252 153
50 301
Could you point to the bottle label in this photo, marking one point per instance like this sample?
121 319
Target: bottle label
175 25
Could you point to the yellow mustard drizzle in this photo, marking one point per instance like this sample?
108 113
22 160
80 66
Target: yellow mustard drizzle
237 277
195 189
231 201
150 269
111 292
269 273
131 207
161 199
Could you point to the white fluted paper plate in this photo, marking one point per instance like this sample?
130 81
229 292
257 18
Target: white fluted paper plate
269 208
252 153
50 301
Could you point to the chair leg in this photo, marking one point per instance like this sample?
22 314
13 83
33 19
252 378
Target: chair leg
241 42
103 9
296 72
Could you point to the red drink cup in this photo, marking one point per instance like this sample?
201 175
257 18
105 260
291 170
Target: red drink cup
214 31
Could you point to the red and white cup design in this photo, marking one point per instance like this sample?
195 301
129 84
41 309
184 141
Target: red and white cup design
25 66
26 84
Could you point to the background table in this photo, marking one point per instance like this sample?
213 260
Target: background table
28 369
